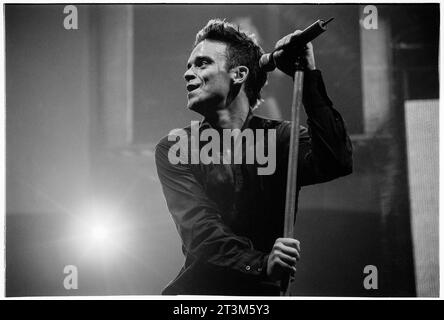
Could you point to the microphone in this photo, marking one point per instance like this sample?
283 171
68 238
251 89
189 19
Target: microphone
267 62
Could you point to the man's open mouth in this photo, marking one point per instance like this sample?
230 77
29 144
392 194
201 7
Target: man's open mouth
192 87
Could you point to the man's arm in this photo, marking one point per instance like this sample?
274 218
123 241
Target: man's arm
325 150
328 151
204 234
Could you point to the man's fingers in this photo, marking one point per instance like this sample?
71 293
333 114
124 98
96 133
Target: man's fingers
285 59
284 265
285 40
287 259
298 245
283 257
292 252
290 242
282 41
293 35
288 250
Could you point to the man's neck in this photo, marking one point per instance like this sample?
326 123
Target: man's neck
232 117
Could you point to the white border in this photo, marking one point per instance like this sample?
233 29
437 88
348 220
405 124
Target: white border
152 297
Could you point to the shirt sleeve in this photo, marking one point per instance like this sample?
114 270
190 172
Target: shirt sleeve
204 234
325 150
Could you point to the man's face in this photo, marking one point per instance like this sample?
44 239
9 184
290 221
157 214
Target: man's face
207 80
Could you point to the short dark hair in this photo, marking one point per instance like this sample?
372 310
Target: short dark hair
242 50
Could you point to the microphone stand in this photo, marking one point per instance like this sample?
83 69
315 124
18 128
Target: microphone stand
290 199
268 63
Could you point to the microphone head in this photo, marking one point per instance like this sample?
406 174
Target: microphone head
266 62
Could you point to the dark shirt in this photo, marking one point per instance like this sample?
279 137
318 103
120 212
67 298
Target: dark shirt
229 217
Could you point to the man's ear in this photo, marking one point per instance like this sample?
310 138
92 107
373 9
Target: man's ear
239 74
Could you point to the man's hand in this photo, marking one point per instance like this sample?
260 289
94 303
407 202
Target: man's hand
285 59
283 257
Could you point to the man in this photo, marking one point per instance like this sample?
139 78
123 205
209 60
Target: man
229 217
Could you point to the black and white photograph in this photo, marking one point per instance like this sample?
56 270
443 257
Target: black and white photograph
228 150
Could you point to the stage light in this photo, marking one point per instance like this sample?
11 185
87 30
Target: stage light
99 232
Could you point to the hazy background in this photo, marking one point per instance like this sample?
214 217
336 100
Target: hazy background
85 108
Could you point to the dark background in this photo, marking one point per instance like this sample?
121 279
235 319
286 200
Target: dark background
61 152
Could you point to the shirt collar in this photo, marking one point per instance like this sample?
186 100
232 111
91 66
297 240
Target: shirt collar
204 124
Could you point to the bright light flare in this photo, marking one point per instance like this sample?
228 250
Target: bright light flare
99 232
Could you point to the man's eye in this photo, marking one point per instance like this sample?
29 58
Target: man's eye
203 63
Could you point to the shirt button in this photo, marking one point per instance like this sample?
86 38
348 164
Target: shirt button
247 268
259 269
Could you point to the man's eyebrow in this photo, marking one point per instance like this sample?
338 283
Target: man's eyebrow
204 58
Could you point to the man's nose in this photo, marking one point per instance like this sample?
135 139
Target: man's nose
189 75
